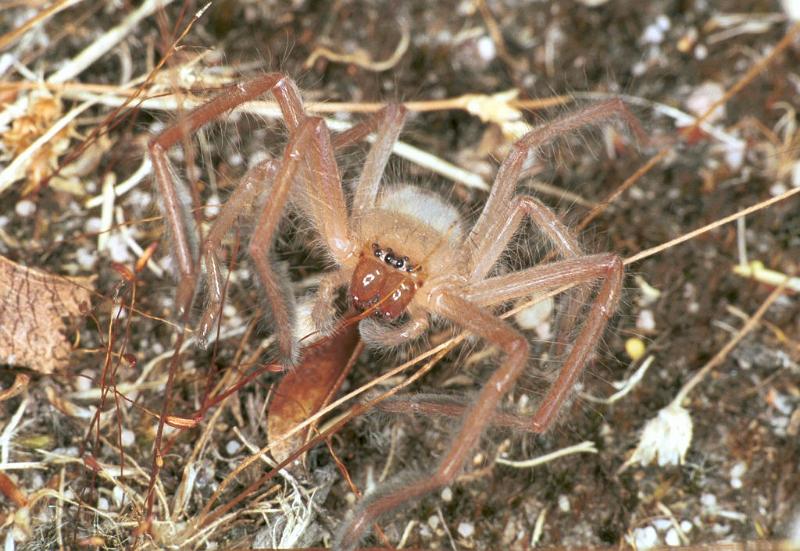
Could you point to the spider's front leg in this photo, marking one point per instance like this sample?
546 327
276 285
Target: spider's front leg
176 200
515 347
258 180
469 313
310 150
544 278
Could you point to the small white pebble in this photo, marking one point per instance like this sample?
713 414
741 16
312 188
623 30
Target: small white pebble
653 34
662 524
646 321
486 48
734 155
212 205
709 501
25 208
639 68
563 503
350 498
447 494
118 496
93 225
118 248
645 538
4 220
424 531
792 9
672 538
736 483
738 469
465 529
700 52
103 503
86 258
686 526
778 188
703 97
84 381
663 22
232 447
127 438
433 521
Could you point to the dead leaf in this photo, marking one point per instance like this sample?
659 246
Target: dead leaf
33 305
308 387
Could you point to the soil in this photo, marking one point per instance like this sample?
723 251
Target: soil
738 481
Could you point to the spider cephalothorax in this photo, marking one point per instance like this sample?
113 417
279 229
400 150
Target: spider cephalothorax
400 250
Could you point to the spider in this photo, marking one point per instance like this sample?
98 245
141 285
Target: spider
404 254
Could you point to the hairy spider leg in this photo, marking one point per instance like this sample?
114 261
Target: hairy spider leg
176 210
257 181
486 241
469 313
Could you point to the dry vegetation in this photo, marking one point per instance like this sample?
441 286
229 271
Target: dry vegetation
85 83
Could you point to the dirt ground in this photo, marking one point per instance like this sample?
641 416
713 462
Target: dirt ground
73 481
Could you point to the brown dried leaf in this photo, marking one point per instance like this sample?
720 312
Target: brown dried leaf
33 304
308 387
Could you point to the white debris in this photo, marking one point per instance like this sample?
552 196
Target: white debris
25 208
709 502
563 503
656 31
672 538
703 97
662 524
118 248
665 438
537 317
232 447
646 321
465 529
486 48
645 538
127 438
792 9
118 496
447 494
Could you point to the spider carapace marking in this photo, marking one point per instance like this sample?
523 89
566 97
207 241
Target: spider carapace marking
384 281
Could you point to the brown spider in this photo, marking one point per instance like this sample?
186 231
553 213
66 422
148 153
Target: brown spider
401 250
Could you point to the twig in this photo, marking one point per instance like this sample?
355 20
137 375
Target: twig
361 58
584 447
270 110
720 356
12 36
699 231
89 55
